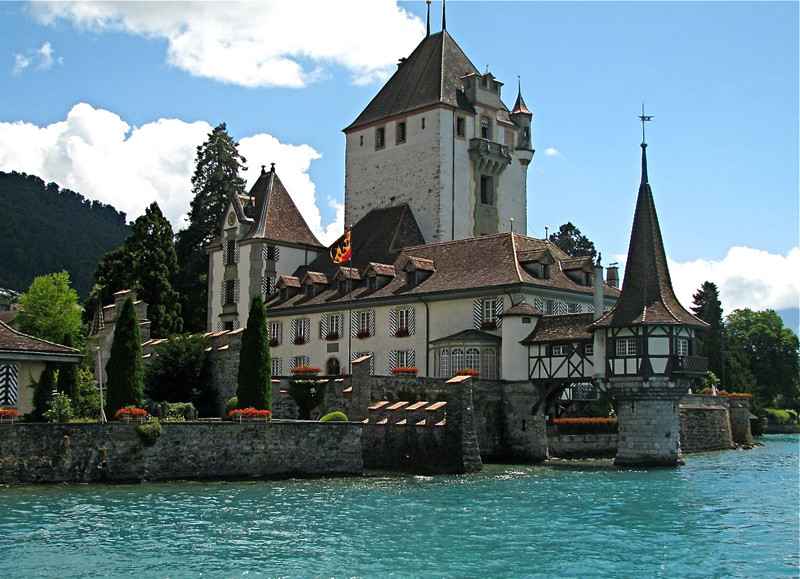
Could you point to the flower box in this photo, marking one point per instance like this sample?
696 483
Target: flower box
306 370
250 415
363 334
402 333
489 326
404 371
8 415
468 372
299 341
131 414
332 336
273 343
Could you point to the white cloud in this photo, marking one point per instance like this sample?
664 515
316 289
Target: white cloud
43 57
97 154
551 152
265 43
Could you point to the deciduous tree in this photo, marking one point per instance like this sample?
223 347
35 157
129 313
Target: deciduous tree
50 309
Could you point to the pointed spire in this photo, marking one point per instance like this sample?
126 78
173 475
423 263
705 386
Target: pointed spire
444 15
519 106
428 20
644 164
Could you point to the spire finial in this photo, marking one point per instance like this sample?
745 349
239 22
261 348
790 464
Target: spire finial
428 20
644 118
444 15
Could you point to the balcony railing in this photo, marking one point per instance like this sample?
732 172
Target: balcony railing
491 157
690 365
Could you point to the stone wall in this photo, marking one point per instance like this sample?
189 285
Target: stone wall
705 424
582 446
86 452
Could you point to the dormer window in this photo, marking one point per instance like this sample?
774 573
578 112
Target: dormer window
411 278
310 290
372 283
284 294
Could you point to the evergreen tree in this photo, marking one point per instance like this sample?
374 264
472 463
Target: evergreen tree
215 179
124 375
50 309
155 265
711 342
570 240
68 375
43 392
254 377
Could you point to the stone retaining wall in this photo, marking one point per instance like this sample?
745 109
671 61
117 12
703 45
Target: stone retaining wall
582 446
88 452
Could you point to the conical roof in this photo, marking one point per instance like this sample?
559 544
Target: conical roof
431 75
647 296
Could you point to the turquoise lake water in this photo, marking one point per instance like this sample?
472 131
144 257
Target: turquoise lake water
727 514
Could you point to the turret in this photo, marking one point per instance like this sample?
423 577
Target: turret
522 117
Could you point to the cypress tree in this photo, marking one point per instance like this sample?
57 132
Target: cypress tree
711 342
43 392
124 375
254 377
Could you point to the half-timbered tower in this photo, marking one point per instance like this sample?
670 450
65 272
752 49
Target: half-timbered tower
648 340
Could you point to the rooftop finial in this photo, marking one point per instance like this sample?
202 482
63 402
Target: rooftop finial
428 21
272 167
444 15
644 118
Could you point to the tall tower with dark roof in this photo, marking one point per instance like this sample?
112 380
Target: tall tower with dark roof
438 137
648 339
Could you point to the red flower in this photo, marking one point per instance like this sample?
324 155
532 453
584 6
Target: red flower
8 413
468 372
131 411
249 413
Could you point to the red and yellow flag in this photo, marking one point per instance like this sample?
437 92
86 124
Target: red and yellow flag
340 250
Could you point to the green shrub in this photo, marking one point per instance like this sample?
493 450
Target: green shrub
60 409
150 432
777 415
173 412
334 417
307 394
232 404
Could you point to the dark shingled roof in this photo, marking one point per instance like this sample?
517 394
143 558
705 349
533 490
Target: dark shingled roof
477 263
522 309
14 343
647 296
276 215
431 75
564 328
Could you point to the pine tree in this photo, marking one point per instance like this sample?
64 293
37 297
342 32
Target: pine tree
572 242
155 265
43 392
215 179
711 342
124 375
254 378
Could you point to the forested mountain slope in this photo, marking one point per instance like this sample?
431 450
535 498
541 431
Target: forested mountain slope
45 229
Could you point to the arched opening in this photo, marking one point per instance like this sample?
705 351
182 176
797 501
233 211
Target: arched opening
332 366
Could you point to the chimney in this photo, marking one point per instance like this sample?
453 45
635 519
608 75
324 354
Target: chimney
598 289
612 275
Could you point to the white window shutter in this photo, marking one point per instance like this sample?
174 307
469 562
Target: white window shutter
9 384
392 359
223 298
498 310
477 314
393 322
372 322
411 358
411 321
323 327
353 324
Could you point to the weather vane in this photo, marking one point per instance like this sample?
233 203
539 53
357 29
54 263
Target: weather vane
644 118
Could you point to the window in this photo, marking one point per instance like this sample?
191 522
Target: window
444 363
330 327
275 330
457 355
545 306
487 190
284 294
461 127
486 313
411 278
310 290
277 367
486 128
230 252
9 384
401 322
372 283
588 349
229 326
300 331
299 361
573 308
473 359
380 137
363 322
489 312
402 358
401 132
683 347
230 292
271 253
423 123
489 363
267 286
626 346
525 133
559 350
343 286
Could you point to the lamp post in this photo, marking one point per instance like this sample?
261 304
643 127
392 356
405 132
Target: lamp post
99 375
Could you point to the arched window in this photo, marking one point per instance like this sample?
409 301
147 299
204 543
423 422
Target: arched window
458 360
489 363
473 360
332 367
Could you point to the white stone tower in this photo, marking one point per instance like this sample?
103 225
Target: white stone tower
438 137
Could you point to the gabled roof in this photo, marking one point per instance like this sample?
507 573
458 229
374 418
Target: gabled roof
469 336
431 75
315 277
563 328
647 296
16 345
384 269
276 215
522 309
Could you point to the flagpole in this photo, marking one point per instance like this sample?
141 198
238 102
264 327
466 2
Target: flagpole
350 305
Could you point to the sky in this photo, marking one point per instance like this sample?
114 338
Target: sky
112 99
